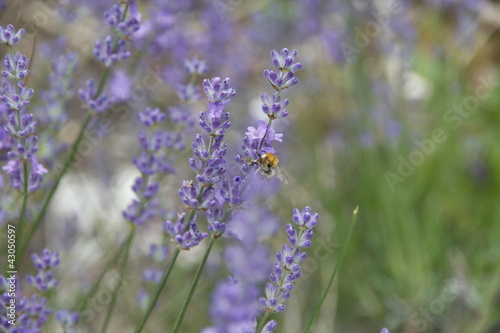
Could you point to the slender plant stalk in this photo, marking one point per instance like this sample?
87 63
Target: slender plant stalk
167 271
335 270
157 293
263 321
93 290
53 189
192 287
22 214
67 163
123 265
24 204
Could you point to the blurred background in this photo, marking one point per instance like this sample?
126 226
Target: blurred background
396 111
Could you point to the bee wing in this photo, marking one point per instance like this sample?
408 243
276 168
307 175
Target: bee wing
281 175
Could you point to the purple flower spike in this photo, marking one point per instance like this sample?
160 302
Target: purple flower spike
214 120
46 260
158 253
218 90
150 117
188 93
280 82
16 68
97 104
231 193
269 327
214 218
16 99
108 53
114 17
33 313
184 240
196 66
287 266
234 307
284 60
286 76
67 319
276 108
9 36
306 218
44 263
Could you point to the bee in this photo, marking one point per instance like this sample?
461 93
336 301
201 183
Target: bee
269 167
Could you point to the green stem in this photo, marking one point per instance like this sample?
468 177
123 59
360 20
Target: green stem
96 285
263 321
53 189
74 147
193 285
128 245
159 289
165 276
335 270
265 134
22 214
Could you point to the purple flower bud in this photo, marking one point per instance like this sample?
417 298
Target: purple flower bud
9 36
109 53
195 66
68 320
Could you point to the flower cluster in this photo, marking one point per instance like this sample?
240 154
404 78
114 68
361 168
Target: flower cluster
209 165
286 76
234 307
184 233
252 224
44 263
116 17
67 319
125 18
25 173
258 140
152 161
9 36
287 266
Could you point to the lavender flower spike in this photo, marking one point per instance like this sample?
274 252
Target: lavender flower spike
286 76
287 266
184 239
44 263
218 90
68 320
9 36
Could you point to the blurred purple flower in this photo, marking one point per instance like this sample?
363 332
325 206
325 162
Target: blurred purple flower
67 319
44 263
151 162
33 313
120 86
109 52
97 103
234 307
